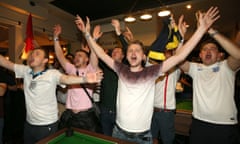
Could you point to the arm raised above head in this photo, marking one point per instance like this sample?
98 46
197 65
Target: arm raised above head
57 47
205 21
97 33
232 49
91 42
124 37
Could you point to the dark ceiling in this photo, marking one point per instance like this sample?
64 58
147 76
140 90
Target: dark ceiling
99 9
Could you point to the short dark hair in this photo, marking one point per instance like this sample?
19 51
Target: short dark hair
84 51
211 40
45 51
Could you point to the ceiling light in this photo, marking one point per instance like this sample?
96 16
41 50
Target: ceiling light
146 16
188 6
130 19
163 13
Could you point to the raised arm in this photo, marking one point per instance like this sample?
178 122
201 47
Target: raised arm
57 47
116 24
96 35
205 21
6 63
92 44
89 78
128 34
232 49
182 27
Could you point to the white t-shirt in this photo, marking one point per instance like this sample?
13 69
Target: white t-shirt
40 94
135 97
172 80
213 93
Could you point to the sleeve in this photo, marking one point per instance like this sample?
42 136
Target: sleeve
123 42
90 68
20 70
192 69
159 67
101 64
117 66
69 67
124 47
57 75
178 71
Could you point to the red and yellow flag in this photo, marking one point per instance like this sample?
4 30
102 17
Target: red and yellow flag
28 46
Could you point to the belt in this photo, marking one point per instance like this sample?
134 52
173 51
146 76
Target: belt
132 134
162 110
47 125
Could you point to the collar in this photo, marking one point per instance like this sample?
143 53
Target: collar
34 75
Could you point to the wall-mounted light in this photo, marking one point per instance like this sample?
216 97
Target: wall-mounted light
163 13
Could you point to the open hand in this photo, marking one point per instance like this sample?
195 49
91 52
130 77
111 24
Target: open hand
94 77
57 30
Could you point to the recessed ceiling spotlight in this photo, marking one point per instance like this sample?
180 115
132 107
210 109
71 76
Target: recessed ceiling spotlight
188 6
130 19
146 16
163 13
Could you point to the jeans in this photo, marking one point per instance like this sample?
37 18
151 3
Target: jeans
145 138
34 133
163 126
107 118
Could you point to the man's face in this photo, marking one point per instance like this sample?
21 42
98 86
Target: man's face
117 54
80 59
209 54
135 55
37 58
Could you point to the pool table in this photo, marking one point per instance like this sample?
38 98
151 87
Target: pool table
80 136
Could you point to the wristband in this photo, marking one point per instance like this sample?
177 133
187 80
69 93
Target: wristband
214 33
56 39
87 35
182 41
